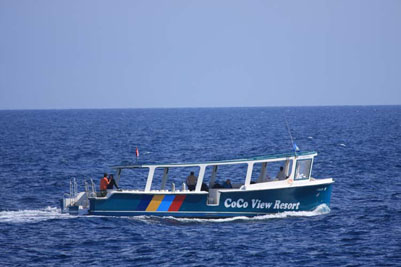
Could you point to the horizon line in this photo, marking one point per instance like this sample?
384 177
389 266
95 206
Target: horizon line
200 107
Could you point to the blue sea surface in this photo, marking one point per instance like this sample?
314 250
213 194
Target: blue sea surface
360 147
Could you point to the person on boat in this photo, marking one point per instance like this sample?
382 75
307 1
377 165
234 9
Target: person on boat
281 174
217 185
112 182
104 182
191 181
227 184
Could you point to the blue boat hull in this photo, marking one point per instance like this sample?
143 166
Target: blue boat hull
231 204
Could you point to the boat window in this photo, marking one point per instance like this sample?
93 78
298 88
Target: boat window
259 175
158 179
272 170
235 173
303 168
178 176
133 178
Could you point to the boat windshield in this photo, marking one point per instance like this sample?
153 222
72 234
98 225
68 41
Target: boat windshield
303 169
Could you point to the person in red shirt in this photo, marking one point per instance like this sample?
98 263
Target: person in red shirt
104 182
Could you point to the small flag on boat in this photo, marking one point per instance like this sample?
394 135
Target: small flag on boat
296 148
137 152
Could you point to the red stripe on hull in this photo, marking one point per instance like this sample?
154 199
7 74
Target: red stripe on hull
177 202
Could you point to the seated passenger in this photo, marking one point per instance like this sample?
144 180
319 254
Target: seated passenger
104 182
112 182
227 184
281 175
217 185
191 181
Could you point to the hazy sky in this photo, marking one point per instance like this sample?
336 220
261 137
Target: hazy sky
133 54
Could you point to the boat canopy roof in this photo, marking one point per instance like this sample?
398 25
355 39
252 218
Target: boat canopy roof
267 158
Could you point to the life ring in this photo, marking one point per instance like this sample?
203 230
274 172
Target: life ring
290 181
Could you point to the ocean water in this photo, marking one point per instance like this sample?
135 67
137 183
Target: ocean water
360 147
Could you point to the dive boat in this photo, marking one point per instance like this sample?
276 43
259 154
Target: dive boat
255 194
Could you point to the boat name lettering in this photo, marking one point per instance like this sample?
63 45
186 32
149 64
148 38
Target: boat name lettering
259 204
240 203
278 205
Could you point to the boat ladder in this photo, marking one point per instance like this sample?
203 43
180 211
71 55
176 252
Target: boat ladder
78 199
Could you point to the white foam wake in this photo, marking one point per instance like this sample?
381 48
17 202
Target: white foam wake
29 216
320 210
49 213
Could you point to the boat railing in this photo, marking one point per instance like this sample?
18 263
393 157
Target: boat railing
91 192
69 199
75 198
87 194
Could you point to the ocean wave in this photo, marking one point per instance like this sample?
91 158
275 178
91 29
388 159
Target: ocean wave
32 216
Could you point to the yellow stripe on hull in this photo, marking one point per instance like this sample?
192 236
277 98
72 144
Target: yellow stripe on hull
155 203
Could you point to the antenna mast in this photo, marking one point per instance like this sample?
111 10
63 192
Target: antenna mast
294 146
